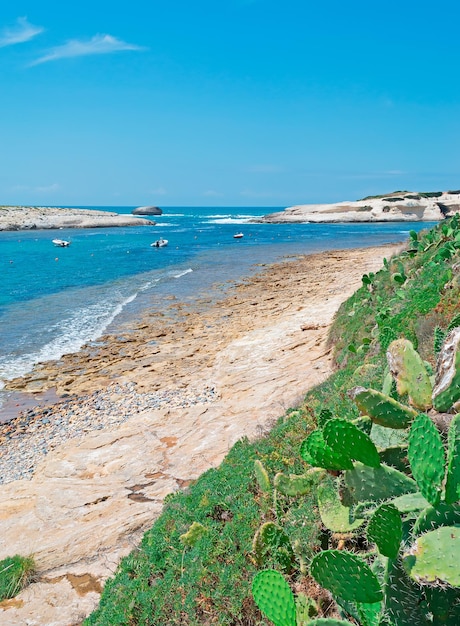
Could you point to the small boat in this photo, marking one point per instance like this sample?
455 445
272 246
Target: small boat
159 243
238 236
61 243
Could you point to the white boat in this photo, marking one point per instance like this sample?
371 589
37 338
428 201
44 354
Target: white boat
238 236
61 243
159 243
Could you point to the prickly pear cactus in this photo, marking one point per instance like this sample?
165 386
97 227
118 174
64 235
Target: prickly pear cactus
262 477
382 409
435 556
316 452
426 457
274 598
340 434
381 483
446 391
346 576
334 515
431 518
409 371
297 485
385 530
453 462
270 541
327 621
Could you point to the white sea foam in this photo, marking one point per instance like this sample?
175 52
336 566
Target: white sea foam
229 220
183 273
69 334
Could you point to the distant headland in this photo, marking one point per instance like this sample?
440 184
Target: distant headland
398 206
35 217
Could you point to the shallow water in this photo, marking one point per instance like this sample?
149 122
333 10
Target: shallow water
54 300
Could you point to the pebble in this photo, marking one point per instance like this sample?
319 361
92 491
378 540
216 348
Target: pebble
27 439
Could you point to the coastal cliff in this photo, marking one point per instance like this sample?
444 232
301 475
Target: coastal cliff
400 206
31 218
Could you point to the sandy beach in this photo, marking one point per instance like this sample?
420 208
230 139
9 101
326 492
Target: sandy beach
143 413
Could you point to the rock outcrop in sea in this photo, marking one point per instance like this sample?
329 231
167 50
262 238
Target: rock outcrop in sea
34 217
399 206
147 210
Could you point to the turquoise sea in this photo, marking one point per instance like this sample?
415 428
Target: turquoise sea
54 300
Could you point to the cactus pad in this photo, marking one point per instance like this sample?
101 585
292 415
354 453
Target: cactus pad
334 515
346 576
340 434
385 530
270 541
446 390
431 517
410 373
262 477
396 456
316 452
453 462
381 483
382 409
435 557
426 457
293 485
274 598
410 503
328 621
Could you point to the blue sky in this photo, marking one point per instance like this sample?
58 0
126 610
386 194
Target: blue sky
230 103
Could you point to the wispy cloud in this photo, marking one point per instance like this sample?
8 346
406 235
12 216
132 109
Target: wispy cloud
99 44
248 193
211 193
373 175
48 188
159 191
23 31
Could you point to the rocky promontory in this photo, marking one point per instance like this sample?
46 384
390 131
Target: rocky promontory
34 217
399 206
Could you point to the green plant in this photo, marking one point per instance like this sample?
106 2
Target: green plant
15 573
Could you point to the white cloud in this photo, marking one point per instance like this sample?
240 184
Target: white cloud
159 191
99 44
248 193
48 189
373 175
22 32
210 193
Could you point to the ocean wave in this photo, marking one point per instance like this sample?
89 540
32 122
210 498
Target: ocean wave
83 325
183 273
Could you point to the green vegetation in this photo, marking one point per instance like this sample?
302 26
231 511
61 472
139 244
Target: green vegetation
15 573
354 495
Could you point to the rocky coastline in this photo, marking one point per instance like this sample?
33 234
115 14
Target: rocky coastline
150 411
44 218
394 207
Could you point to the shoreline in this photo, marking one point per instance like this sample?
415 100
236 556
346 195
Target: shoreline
17 218
226 369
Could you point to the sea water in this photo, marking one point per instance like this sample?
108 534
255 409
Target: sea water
54 300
